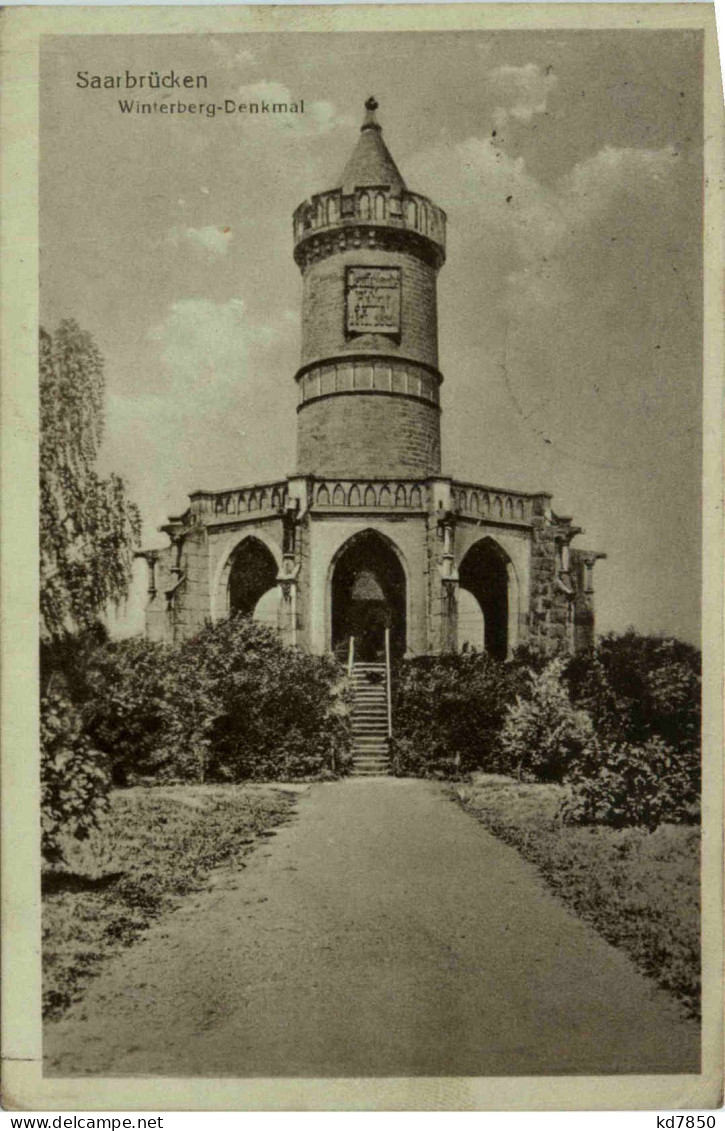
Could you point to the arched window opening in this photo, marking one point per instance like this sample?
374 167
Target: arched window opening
368 596
266 610
253 581
484 579
471 625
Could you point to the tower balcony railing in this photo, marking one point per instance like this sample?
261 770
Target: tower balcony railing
373 205
395 494
260 497
472 500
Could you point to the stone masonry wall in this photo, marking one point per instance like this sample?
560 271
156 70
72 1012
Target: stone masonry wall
584 634
323 309
549 625
190 606
368 434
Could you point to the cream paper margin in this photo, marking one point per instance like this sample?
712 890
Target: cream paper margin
24 1087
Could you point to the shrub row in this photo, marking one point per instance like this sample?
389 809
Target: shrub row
449 711
232 704
620 725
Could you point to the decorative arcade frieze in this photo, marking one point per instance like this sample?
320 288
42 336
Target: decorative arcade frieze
365 494
376 375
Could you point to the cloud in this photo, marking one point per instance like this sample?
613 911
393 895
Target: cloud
230 54
213 239
520 92
567 288
531 220
212 391
319 117
593 183
203 343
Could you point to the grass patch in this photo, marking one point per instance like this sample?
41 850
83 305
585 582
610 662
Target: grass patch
640 890
157 845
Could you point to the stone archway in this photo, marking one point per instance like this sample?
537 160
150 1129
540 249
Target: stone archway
486 574
368 591
252 585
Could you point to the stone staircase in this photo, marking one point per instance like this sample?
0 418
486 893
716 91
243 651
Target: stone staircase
369 720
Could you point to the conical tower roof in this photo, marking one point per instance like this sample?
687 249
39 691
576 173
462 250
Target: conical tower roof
370 162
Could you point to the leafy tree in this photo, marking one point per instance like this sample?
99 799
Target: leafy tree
88 527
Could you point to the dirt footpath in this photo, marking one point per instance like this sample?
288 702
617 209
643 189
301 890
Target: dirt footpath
383 932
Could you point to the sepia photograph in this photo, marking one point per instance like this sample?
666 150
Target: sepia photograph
370 377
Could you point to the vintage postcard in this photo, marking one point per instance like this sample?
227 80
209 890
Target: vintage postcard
362 557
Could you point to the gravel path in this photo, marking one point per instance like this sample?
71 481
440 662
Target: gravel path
383 932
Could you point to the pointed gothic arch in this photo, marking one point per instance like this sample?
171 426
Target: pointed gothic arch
252 581
368 593
488 614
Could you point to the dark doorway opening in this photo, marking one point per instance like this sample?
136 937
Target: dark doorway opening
368 596
484 573
253 573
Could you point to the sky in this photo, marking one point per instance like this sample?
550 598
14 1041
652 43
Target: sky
570 306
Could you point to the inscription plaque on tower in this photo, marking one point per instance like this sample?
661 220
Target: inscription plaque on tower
372 300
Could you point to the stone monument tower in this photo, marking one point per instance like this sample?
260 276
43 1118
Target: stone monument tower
369 252
369 548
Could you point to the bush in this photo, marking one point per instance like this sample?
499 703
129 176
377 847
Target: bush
252 708
542 732
126 707
622 785
74 782
448 711
231 704
640 687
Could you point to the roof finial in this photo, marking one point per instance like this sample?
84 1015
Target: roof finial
370 122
